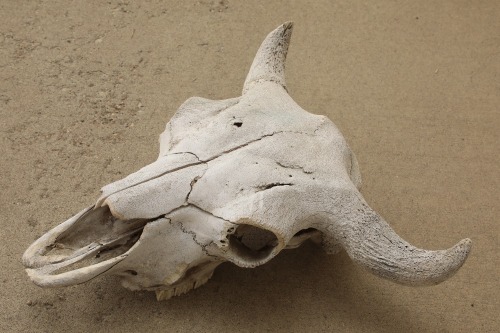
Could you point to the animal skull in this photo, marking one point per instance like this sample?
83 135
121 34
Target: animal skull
236 180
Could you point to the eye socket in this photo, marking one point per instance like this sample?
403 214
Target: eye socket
251 243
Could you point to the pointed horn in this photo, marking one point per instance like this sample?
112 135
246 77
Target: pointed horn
269 62
372 243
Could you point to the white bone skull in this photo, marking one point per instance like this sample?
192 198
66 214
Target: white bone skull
236 180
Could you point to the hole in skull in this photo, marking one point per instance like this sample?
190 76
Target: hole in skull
131 272
252 243
238 123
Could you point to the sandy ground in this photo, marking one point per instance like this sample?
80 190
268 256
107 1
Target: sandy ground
87 86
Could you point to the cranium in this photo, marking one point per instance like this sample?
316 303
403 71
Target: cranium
236 180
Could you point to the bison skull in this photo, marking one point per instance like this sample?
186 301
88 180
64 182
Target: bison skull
236 180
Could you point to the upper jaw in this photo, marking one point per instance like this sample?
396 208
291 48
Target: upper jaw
81 248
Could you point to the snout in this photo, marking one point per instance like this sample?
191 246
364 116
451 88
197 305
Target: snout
83 247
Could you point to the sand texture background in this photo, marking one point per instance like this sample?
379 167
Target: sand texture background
86 87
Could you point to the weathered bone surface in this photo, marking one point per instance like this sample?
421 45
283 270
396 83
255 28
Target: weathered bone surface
236 180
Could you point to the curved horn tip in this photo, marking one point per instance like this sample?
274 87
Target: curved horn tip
456 256
286 25
460 252
269 62
373 244
464 245
438 269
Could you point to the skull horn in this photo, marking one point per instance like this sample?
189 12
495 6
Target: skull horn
374 245
269 62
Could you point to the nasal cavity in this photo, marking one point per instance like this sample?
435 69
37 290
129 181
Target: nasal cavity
252 244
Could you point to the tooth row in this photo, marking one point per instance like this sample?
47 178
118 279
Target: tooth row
182 288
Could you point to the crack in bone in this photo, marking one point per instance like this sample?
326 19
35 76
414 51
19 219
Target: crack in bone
193 182
204 161
251 142
186 152
297 167
208 212
244 145
193 235
271 185
101 200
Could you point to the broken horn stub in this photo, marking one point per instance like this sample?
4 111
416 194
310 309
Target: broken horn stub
269 62
236 180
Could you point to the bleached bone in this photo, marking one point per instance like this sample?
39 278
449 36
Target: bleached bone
236 180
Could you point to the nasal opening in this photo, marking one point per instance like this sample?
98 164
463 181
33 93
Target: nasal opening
81 248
